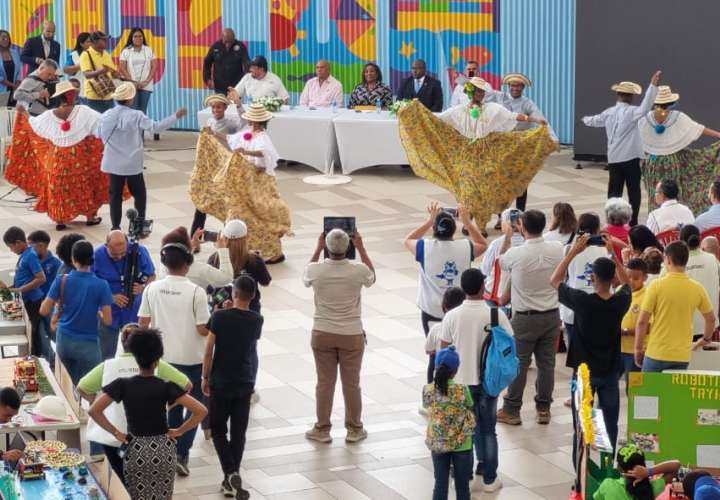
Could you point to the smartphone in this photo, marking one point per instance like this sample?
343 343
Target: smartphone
210 235
451 211
596 241
514 216
347 224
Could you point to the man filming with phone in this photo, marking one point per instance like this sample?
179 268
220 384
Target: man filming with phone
112 260
338 337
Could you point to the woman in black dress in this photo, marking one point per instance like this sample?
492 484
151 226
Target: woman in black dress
149 462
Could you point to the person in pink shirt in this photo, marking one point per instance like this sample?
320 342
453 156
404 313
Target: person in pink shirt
323 90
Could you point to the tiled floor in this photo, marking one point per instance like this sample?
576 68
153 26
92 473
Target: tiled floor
394 462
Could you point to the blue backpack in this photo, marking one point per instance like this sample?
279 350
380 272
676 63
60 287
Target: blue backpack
499 363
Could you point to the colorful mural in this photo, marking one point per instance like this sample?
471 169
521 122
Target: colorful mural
292 34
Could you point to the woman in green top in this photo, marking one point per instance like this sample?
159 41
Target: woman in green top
636 483
450 427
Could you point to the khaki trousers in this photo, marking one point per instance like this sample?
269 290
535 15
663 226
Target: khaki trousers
331 350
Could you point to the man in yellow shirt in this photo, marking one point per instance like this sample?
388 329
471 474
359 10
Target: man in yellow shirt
94 62
637 275
671 301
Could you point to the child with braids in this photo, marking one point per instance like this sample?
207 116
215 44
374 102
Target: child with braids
636 483
450 426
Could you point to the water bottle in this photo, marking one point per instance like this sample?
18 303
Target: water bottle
334 107
378 105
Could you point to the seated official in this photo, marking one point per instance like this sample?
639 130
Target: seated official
710 218
371 89
322 91
671 213
259 82
423 87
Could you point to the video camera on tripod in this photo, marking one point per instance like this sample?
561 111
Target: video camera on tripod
137 229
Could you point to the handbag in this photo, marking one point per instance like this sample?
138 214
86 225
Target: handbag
102 84
57 314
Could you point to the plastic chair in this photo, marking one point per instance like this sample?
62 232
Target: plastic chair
715 231
668 236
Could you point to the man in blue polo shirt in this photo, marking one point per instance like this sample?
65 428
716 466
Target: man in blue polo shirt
29 278
111 261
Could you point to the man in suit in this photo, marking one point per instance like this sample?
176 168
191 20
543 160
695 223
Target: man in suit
423 87
39 48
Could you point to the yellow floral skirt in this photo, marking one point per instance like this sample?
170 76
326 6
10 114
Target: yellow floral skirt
226 186
485 175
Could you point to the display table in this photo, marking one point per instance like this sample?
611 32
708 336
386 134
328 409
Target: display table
299 134
67 431
367 139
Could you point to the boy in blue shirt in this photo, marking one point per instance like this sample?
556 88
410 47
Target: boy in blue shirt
40 242
29 279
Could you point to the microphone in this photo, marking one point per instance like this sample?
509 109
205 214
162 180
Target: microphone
131 214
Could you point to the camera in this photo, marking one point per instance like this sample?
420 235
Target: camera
137 228
347 224
210 236
451 211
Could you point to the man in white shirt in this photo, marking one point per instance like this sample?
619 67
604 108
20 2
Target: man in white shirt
536 319
464 327
625 148
178 308
338 338
459 96
259 82
322 91
710 219
671 214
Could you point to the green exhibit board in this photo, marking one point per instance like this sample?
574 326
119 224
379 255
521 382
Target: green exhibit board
676 416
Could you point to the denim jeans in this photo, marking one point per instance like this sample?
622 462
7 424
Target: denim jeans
485 439
108 340
78 356
654 365
607 390
177 415
100 105
142 99
462 462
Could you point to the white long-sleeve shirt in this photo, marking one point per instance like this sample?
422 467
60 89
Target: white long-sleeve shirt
204 275
620 122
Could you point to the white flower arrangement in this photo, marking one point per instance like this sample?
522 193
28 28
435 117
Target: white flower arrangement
272 104
398 106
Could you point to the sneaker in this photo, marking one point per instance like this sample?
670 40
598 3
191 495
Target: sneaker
254 398
494 486
318 435
506 418
355 435
227 489
543 417
479 469
236 483
182 466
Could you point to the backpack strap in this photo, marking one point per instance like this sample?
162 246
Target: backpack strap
486 343
494 317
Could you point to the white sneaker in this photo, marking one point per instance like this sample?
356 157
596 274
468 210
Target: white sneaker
494 486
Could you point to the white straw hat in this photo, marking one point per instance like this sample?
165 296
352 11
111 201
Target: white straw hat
627 88
64 87
124 92
665 95
480 83
216 98
257 113
51 407
517 78
235 229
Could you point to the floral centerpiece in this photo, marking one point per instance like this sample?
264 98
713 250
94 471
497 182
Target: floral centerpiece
398 106
272 104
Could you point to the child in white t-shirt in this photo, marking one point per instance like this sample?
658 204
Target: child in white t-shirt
453 297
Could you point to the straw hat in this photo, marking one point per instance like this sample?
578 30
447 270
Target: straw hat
480 83
63 87
216 98
627 88
257 113
665 95
124 92
516 78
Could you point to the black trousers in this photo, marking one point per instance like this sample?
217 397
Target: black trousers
237 409
198 221
626 173
136 186
32 308
426 319
112 454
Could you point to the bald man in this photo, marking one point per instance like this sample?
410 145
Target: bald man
322 91
39 48
711 245
225 63
111 264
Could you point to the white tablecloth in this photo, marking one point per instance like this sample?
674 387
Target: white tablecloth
367 139
300 134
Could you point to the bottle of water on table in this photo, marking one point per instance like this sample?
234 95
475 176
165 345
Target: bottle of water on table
378 105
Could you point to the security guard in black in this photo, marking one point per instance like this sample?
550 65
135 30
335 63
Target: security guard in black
225 63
